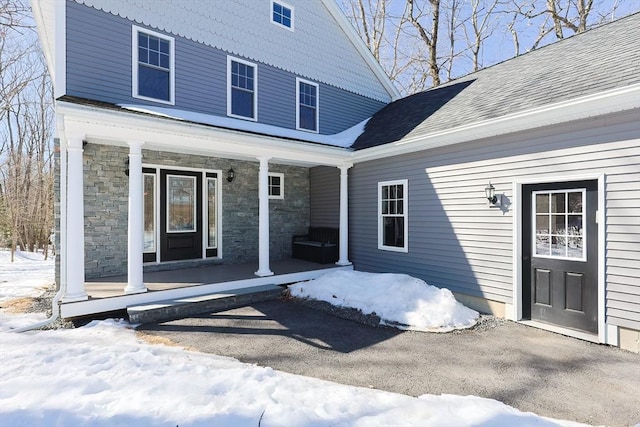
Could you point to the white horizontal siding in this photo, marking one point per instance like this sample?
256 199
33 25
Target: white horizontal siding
456 240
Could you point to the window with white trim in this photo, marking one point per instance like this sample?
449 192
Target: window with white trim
307 105
282 14
392 215
242 84
152 66
276 185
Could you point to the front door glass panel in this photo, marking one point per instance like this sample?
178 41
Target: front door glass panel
149 209
559 224
212 236
181 204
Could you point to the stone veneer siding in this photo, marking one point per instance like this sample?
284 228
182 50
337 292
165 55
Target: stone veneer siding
106 195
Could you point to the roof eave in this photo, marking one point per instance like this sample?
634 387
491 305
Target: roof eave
594 105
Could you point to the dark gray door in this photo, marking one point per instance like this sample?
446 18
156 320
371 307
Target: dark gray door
180 215
560 254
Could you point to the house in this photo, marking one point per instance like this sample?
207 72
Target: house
187 131
192 135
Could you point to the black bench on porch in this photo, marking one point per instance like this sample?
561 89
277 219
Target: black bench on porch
319 245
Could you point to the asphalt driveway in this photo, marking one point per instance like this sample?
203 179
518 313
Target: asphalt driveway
530 369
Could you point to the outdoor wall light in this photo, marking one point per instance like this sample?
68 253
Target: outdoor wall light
490 194
126 167
231 175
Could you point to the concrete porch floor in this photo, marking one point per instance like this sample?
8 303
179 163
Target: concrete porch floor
107 294
184 277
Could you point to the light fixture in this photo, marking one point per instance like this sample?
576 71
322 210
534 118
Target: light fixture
231 175
126 167
490 194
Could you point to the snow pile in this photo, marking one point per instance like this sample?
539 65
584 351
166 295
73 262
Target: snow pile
28 276
395 298
101 375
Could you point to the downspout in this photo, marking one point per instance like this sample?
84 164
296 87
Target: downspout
55 304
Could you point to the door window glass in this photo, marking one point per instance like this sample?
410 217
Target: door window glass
149 209
559 219
181 204
212 239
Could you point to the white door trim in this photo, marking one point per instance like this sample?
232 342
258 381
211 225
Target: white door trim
158 167
604 334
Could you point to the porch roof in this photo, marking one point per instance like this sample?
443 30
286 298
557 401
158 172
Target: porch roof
115 125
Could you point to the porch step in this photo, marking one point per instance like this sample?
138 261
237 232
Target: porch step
182 307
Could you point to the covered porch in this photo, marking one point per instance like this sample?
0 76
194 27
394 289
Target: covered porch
94 144
108 293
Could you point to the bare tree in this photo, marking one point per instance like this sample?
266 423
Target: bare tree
452 14
371 20
428 35
422 43
483 21
26 184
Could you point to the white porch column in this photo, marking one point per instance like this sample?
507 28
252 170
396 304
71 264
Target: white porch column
135 285
74 260
344 217
263 195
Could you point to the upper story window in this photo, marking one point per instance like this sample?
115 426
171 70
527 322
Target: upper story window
392 215
242 84
152 66
307 105
276 185
282 14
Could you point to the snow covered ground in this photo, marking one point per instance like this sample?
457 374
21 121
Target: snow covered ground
28 276
104 375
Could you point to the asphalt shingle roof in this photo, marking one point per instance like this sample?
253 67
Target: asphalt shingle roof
600 59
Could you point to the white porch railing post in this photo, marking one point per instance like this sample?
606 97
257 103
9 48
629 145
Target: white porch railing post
263 223
74 253
135 284
344 217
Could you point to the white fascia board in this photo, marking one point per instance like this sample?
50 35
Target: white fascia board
116 128
362 48
613 101
50 22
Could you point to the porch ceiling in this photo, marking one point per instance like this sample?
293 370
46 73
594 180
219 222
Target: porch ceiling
113 127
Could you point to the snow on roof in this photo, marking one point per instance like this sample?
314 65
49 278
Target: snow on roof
343 139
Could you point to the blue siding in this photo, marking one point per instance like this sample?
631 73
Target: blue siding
99 68
340 110
324 187
276 97
98 55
